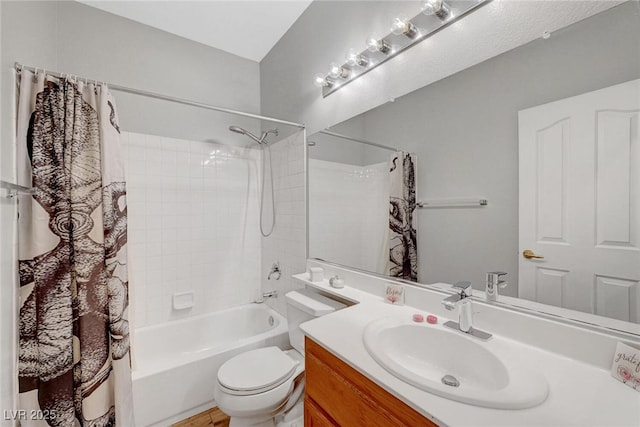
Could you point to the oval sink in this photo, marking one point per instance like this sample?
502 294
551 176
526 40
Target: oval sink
452 365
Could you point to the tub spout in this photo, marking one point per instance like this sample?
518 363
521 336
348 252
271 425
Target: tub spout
266 295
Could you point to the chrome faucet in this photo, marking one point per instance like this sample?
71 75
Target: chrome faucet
465 292
494 283
266 295
275 270
465 314
462 301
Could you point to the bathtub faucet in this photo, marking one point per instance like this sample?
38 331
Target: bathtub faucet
266 295
275 270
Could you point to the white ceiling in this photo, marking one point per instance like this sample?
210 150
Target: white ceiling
245 28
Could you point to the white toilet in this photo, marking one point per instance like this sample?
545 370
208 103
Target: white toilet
264 387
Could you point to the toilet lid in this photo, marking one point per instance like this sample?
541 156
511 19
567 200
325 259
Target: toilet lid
256 370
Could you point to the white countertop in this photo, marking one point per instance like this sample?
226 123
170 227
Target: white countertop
579 394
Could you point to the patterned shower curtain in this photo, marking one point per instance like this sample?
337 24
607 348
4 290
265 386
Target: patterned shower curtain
403 255
74 363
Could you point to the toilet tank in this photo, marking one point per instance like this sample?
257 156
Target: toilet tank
304 305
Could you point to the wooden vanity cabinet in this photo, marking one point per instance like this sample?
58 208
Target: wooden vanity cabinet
338 395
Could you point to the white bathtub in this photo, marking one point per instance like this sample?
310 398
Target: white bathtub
175 363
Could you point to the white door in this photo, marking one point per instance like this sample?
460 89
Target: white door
580 202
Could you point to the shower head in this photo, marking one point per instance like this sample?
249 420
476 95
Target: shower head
241 131
261 140
237 129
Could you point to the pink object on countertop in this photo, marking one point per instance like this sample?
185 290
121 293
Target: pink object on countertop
432 319
418 317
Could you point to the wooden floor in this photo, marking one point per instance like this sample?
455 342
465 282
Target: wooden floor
213 417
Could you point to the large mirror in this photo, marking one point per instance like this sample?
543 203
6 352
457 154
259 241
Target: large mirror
547 134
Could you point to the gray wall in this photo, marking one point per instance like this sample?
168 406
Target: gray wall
464 130
334 149
74 38
322 34
327 29
344 150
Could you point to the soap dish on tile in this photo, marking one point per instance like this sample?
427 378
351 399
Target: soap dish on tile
183 300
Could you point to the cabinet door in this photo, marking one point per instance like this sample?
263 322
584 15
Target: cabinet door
350 398
314 416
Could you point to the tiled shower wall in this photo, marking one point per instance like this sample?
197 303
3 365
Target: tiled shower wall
288 243
193 225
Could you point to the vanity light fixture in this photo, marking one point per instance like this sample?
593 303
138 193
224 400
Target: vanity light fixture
405 32
402 25
436 8
338 71
377 45
355 58
321 81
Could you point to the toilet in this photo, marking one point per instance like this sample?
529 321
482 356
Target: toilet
265 387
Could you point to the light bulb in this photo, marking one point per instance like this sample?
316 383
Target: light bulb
321 81
372 43
436 7
336 70
402 25
397 27
375 45
354 58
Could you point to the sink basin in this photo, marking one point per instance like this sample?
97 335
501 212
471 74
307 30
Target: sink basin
452 365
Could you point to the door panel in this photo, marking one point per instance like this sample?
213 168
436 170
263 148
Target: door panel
580 202
616 171
617 298
550 286
551 171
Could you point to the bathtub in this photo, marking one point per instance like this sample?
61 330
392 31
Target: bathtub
175 363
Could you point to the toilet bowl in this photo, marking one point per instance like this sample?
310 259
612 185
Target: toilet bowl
257 385
261 387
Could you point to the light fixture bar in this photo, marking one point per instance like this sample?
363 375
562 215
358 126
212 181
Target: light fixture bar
426 25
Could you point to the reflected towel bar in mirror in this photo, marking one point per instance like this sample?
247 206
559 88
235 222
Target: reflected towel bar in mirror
453 203
14 190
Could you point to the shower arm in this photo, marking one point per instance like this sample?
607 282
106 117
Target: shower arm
261 140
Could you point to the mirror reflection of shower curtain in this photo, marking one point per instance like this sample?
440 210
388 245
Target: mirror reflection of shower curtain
74 364
403 251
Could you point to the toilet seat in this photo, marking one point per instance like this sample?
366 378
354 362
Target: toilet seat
256 371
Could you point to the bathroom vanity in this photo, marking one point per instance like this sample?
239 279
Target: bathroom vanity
337 394
347 386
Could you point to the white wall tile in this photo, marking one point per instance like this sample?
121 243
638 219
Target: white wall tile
192 225
287 244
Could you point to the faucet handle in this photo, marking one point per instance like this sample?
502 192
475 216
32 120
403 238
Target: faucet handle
494 278
494 282
464 287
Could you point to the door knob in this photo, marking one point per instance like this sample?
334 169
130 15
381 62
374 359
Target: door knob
528 254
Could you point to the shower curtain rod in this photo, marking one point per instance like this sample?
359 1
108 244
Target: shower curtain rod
19 67
363 141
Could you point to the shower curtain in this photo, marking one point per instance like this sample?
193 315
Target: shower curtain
74 364
403 255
